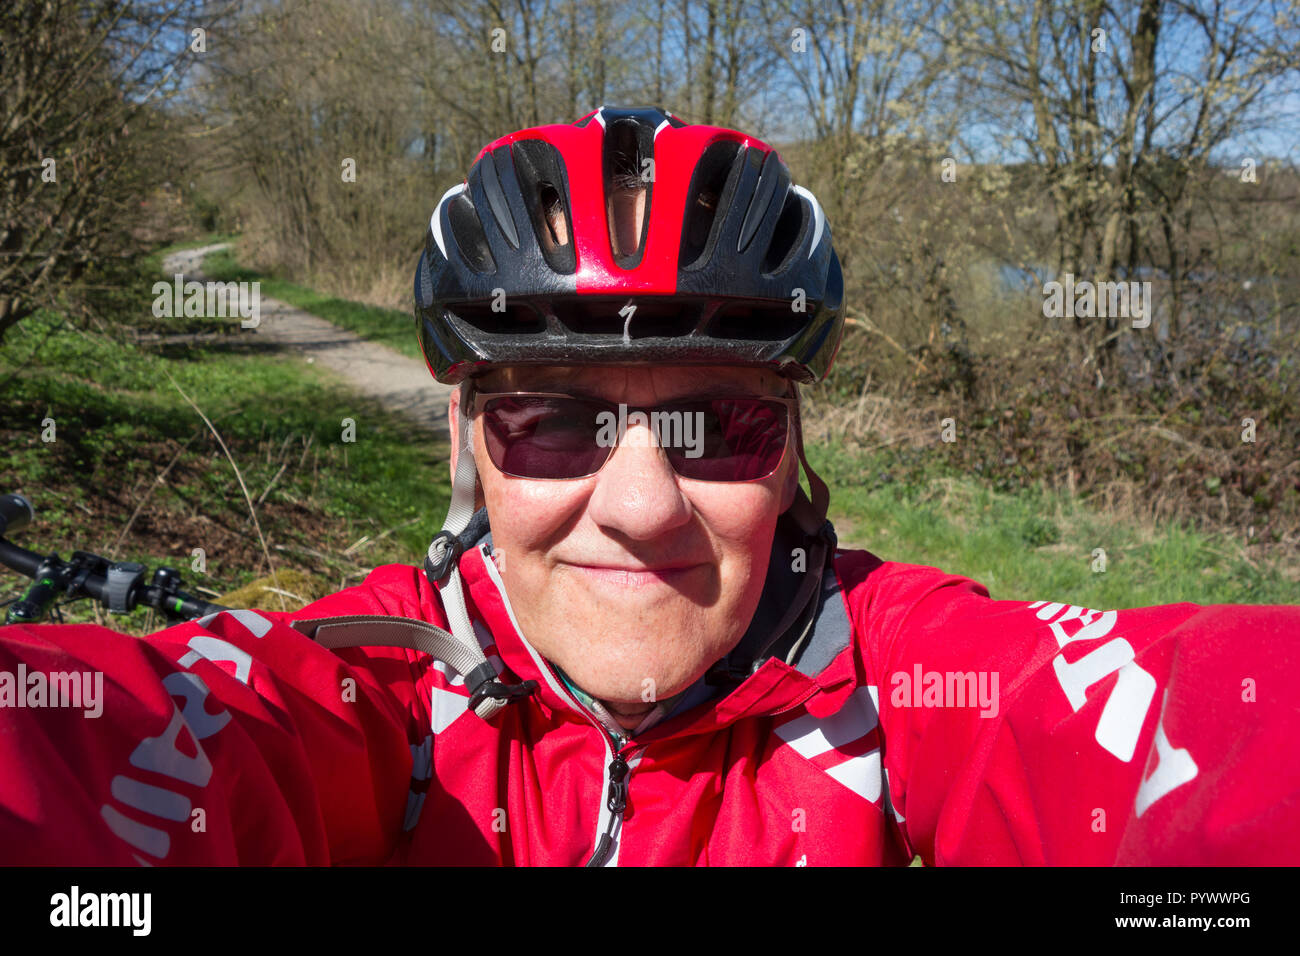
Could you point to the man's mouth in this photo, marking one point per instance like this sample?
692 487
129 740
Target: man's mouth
633 576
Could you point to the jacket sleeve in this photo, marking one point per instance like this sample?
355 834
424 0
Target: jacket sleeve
1047 733
232 739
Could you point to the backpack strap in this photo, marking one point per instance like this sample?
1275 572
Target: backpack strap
487 695
442 568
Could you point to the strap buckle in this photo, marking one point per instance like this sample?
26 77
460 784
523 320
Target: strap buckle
484 684
444 551
499 691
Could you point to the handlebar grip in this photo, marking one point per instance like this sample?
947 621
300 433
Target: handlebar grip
19 558
175 604
16 513
192 608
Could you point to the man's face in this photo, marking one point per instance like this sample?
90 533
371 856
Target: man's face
633 580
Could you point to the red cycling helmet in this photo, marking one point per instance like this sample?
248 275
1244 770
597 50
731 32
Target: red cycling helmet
727 262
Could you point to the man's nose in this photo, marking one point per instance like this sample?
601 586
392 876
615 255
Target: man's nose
636 492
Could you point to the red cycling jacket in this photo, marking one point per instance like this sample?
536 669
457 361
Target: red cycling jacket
919 716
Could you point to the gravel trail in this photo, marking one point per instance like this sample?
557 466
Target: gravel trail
399 383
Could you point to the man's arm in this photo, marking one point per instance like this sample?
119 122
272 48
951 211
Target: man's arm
234 740
1044 733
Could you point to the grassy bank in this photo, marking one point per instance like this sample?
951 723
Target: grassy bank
1039 544
99 437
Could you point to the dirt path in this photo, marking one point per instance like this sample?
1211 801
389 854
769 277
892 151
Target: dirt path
400 384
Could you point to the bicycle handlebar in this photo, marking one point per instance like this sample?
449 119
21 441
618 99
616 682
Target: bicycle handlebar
119 586
19 559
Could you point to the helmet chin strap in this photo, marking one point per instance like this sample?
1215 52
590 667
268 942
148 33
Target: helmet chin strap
442 568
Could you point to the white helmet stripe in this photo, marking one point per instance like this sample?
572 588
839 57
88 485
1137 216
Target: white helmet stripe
818 217
435 221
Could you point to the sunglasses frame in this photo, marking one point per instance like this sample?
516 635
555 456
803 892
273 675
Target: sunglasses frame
478 399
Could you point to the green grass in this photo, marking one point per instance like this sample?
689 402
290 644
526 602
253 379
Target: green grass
1033 544
119 422
386 326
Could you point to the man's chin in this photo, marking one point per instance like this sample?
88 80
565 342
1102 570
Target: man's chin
632 651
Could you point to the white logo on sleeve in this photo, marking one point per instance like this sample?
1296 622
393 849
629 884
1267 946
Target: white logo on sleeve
1130 699
1126 708
1174 768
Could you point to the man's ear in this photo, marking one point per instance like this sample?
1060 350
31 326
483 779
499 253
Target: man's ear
453 427
791 486
458 430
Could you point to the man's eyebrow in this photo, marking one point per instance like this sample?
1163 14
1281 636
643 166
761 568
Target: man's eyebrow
718 390
555 380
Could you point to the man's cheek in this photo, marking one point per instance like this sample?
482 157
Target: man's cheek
519 523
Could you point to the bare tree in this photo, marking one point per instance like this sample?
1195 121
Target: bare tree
331 144
1122 108
81 131
864 78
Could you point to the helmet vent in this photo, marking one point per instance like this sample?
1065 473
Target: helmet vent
556 228
471 241
788 235
742 321
703 199
629 148
514 318
544 185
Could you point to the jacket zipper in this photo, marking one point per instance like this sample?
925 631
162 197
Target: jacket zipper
616 803
618 772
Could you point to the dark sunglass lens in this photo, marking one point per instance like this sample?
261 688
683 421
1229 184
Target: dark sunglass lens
732 440
537 437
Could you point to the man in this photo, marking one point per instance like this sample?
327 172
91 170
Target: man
635 640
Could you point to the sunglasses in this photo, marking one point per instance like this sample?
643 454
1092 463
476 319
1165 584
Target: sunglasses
552 437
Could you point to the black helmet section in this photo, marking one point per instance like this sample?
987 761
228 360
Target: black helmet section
493 232
501 238
749 232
